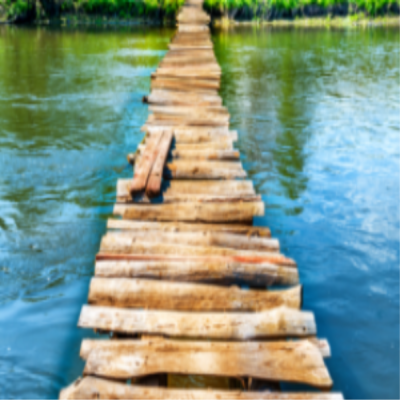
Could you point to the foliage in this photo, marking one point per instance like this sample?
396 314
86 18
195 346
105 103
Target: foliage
224 7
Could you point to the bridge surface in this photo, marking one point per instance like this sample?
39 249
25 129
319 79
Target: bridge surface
163 279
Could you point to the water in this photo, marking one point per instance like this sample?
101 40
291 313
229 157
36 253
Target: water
318 118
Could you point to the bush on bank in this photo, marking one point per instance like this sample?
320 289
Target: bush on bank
28 10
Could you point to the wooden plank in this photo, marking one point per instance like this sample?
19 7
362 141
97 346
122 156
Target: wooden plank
210 155
95 388
193 28
143 169
180 190
226 212
298 362
184 227
154 183
194 134
211 239
148 251
182 169
196 119
164 295
279 322
168 97
190 84
188 109
201 271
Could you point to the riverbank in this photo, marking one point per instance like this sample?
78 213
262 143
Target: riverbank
299 13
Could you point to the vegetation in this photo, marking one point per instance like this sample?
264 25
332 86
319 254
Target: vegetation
22 10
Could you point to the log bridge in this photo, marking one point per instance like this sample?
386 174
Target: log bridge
184 283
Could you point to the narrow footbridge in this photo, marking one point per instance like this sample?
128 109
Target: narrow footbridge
184 283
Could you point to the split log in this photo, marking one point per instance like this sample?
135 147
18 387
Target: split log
181 190
298 362
190 84
164 97
180 169
96 388
163 295
226 212
188 110
210 155
154 183
280 322
142 169
201 271
196 119
211 239
183 227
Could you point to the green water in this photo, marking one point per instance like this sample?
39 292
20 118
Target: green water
318 118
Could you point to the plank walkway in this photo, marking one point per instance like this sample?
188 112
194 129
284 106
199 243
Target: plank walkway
163 278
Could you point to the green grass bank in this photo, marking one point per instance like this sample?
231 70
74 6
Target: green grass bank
223 12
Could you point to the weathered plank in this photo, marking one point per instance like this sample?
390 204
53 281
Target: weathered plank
182 190
182 169
299 362
188 109
95 388
279 322
154 183
211 239
210 155
226 212
163 295
168 97
201 271
199 72
189 84
143 168
185 227
195 119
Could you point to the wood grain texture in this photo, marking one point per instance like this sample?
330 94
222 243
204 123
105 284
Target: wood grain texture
193 212
299 362
204 239
277 323
183 190
201 271
143 168
256 231
153 187
95 388
163 295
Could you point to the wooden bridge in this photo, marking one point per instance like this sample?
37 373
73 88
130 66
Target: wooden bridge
161 286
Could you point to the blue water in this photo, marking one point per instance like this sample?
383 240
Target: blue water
318 118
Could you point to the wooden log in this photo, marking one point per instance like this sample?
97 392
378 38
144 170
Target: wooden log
121 244
184 227
201 271
188 110
197 119
212 239
279 322
95 388
180 169
179 190
164 97
297 362
143 169
226 212
193 28
190 84
154 183
194 134
145 255
210 155
164 295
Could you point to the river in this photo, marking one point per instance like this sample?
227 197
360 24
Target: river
317 113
